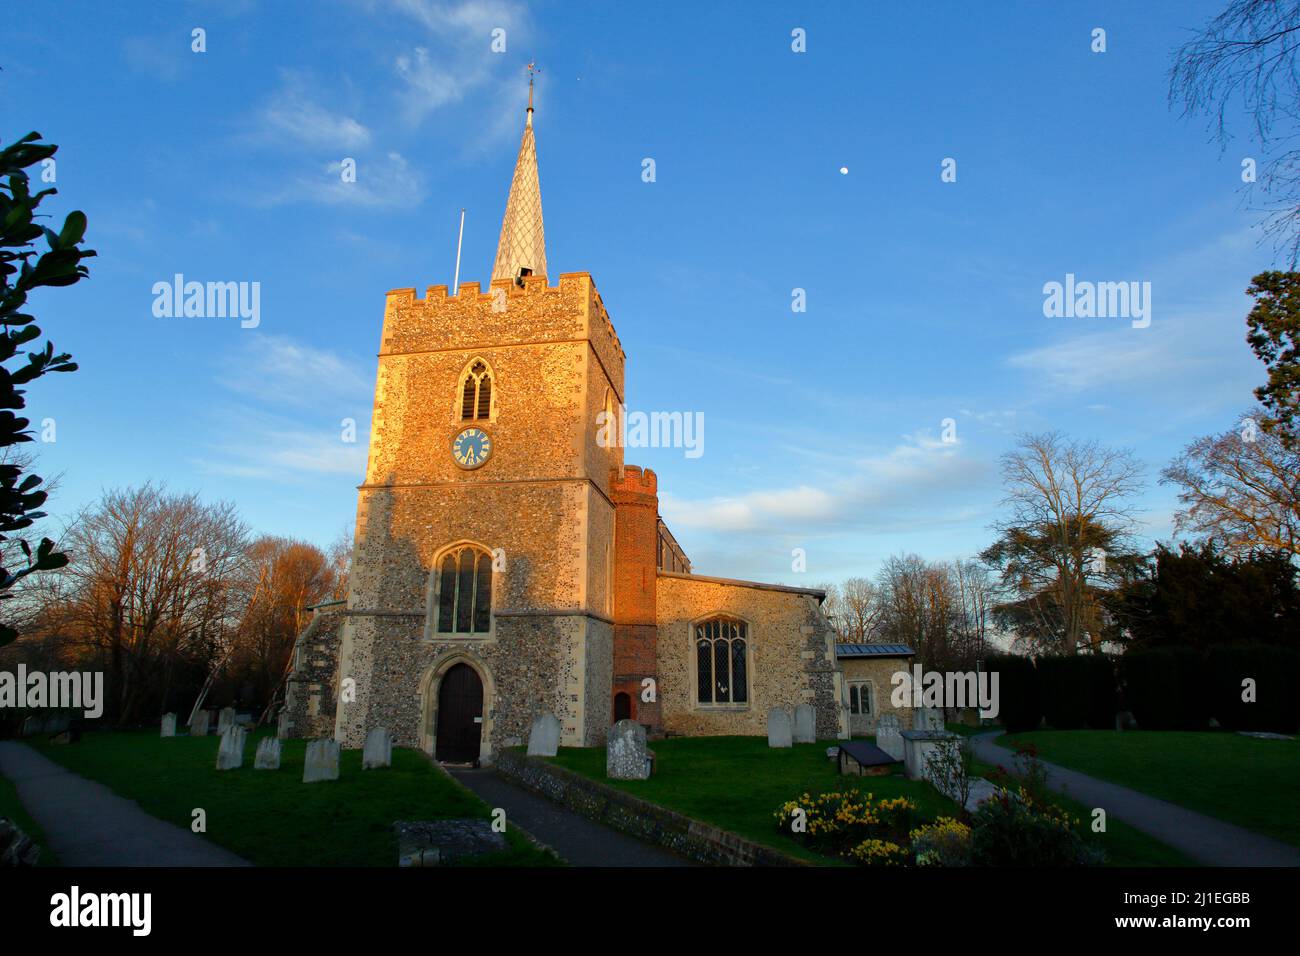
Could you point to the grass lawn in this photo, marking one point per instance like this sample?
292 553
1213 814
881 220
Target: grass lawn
737 783
11 807
1252 783
270 817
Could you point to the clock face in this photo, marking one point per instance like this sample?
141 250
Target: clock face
471 448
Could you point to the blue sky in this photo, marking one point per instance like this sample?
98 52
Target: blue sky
924 298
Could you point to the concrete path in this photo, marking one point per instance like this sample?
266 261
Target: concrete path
87 824
580 841
1206 840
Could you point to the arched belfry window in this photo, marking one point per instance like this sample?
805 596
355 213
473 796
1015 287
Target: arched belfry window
476 392
463 591
721 671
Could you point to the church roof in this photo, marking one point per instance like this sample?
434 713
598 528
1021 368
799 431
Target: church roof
873 650
523 241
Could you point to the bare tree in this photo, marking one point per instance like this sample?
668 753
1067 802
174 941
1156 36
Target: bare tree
1070 516
1240 490
1246 56
340 559
281 580
149 584
860 609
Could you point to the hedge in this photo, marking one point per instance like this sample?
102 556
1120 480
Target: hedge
1276 673
1063 687
1165 688
1019 706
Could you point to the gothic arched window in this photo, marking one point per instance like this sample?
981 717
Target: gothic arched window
721 674
476 392
463 592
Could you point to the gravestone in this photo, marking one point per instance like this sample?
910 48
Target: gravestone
927 718
888 737
268 754
322 761
626 755
230 755
918 745
779 733
225 720
32 725
544 737
805 724
440 842
168 725
199 725
378 750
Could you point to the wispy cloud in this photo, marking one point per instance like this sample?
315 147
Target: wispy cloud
295 118
922 473
277 370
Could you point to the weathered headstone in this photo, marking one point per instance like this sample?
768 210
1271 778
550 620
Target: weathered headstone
322 761
225 720
918 745
888 737
544 737
779 733
268 754
626 756
805 724
168 725
439 842
230 754
199 725
378 750
927 718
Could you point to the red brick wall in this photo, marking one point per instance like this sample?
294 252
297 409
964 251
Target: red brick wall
636 549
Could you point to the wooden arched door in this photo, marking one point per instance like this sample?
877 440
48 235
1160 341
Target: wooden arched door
460 715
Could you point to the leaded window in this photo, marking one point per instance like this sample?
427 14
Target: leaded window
860 699
720 662
464 592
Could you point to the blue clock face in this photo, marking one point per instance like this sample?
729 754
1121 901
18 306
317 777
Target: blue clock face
471 448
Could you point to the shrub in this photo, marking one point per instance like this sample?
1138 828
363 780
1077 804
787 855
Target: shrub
1012 829
1275 670
1063 690
878 853
1019 706
945 842
1164 688
1101 692
838 822
949 768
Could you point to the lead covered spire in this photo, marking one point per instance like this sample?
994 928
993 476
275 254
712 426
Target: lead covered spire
522 248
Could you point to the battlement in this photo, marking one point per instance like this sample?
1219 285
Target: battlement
507 312
633 480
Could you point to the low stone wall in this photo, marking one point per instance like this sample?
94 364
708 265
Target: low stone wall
639 818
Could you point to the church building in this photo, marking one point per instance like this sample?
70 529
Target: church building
507 562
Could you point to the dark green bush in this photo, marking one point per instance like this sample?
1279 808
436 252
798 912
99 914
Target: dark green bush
1008 829
1101 692
1019 707
1165 688
1063 690
1276 672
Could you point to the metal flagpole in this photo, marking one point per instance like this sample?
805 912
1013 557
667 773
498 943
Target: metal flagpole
455 283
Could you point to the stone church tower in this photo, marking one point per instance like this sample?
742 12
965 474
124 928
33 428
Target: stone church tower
481 587
491 581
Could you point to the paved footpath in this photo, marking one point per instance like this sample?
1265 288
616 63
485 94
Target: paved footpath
87 824
1208 841
580 841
